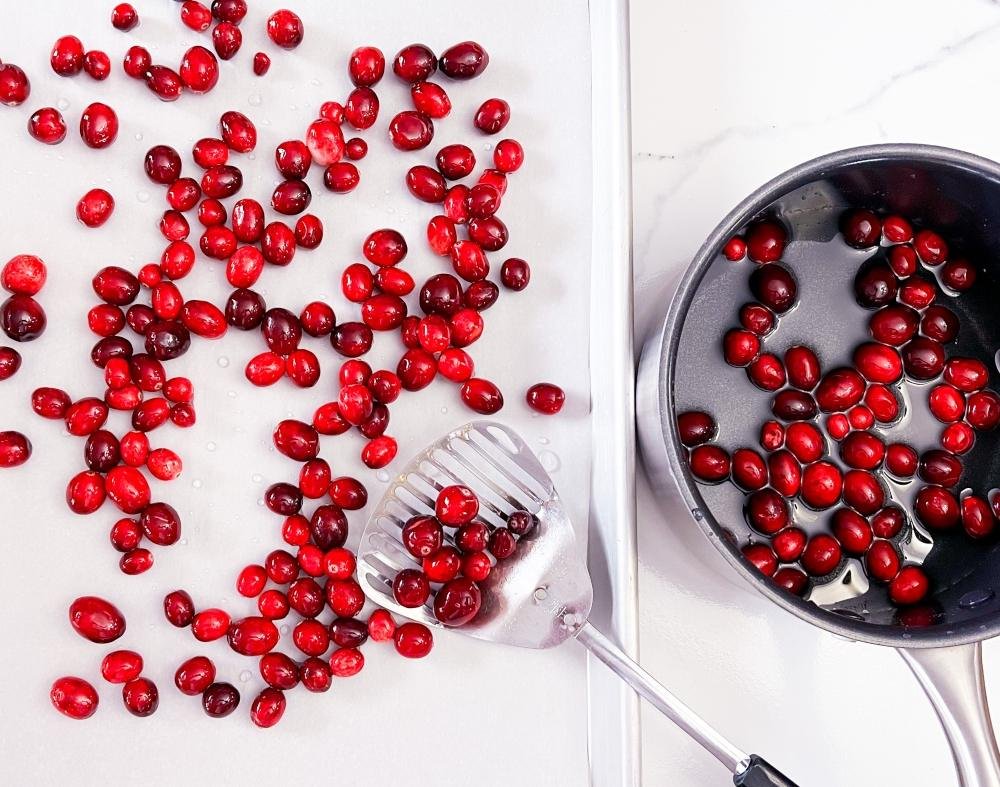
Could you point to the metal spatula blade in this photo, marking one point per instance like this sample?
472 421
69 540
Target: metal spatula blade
536 599
539 597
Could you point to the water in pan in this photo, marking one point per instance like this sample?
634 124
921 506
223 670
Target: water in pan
828 319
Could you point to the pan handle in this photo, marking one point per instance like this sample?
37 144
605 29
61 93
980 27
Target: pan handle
952 677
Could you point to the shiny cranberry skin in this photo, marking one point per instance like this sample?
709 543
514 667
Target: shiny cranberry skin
772 435
121 666
414 63
311 637
74 697
863 492
85 492
875 285
937 508
281 330
411 130
268 707
128 489
316 676
137 62
966 374
909 586
227 39
862 451
917 292
775 287
199 70
455 161
10 362
178 608
291 197
931 247
789 544
232 11
351 339
735 250
162 164
977 517
285 29
710 463
293 159
325 142
958 275
124 17
95 619
98 125
66 57
47 126
888 522
822 484
695 427
279 671
821 555
940 468
457 602
958 438
749 470
416 369
903 261
785 473
195 15
14 85
545 398
481 395
939 323
767 372
221 182
789 405
852 531
464 61
923 359
803 367
946 403
348 493
252 636
766 241
861 229
238 131
15 449
983 411
245 309
410 588
361 109
97 65
210 625
164 82
141 697
882 561
766 511
220 699
762 558
425 183
384 247
413 640
422 536
839 390
456 505
366 66
508 155
740 347
878 363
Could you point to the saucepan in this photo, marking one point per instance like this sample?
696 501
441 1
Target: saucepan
957 194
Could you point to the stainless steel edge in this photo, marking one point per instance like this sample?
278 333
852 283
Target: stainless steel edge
614 740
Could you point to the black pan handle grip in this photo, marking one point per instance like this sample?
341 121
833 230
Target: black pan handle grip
761 773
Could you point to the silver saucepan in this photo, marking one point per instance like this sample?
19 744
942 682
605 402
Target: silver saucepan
956 193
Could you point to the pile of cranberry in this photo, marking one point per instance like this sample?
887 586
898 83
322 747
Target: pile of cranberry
143 321
457 567
846 411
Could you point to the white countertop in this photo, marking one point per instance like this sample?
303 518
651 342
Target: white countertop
725 96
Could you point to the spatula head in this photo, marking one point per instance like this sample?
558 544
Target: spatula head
536 598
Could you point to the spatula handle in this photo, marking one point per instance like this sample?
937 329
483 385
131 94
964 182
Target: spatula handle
749 770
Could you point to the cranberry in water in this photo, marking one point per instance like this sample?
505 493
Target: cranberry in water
766 511
710 463
822 484
875 285
923 359
775 287
695 427
861 229
909 586
937 508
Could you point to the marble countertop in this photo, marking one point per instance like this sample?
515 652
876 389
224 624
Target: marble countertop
725 96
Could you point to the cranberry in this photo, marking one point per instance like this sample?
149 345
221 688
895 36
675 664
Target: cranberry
821 555
863 492
348 493
508 155
852 531
362 108
414 63
875 285
977 517
220 699
882 561
309 231
15 449
410 588
384 247
710 463
861 229
410 130
66 57
788 546
762 558
10 362
293 159
917 292
285 29
162 164
983 411
85 492
878 363
164 82
232 11
939 323
469 261
749 470
121 666
931 247
178 608
161 524
316 675
96 619
803 367
227 40
356 148
940 468
97 64
210 625
137 62
775 287
238 131
958 275
24 274
366 66
966 374
695 427
279 671
839 390
413 640
894 324
268 707
480 295
261 63
766 511
291 197
936 508
481 395
457 602
464 61
124 17
909 586
903 261
74 697
862 451
141 697
923 359
958 438
766 241
47 125
735 250
253 636
767 372
455 161
888 522
98 125
947 403
545 398
785 473
430 99
325 142
789 405
822 484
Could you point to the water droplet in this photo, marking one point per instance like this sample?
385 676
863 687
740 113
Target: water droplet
488 146
211 446
223 361
975 598
196 483
252 156
284 630
62 104
293 108
138 136
382 476
245 676
254 100
256 478
698 514
142 196
260 502
540 594
314 82
444 410
543 440
549 461
183 542
231 394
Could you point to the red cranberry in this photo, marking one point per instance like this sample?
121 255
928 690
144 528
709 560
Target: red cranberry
789 405
940 468
141 697
98 125
947 403
366 66
923 359
875 285
362 107
178 608
220 699
15 449
137 62
10 362
196 15
74 697
966 374
455 161
785 473
413 640
878 363
695 427
863 492
24 274
164 82
384 247
268 707
227 40
822 484
325 142
356 148
862 451
958 275
481 395
47 125
735 250
238 131
821 555
894 324
977 517
348 493
66 57
425 183
852 531
457 602
767 511
410 130
96 619
775 287
210 625
839 390
162 164
710 463
97 65
803 367
410 588
430 99
545 398
762 558
936 508
958 438
124 17
888 522
121 666
882 561
909 586
983 411
897 229
414 63
316 675
767 372
903 261
253 636
749 470
931 247
917 292
293 159
285 29
199 70
939 323
766 241
508 155
291 197
261 63
883 403
232 11
861 229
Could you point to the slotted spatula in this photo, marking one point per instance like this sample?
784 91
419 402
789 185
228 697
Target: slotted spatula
542 595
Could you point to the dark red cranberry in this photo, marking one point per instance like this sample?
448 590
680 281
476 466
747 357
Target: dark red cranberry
767 372
983 410
923 359
481 395
162 164
285 29
918 292
441 294
894 324
351 339
15 449
245 309
882 561
766 241
695 427
839 390
749 471
124 17
220 699
710 463
411 130
861 229
977 517
958 275
232 11
545 398
931 247
414 63
775 287
940 468
96 619
903 261
178 608
22 318
936 508
141 697
939 323
766 511
821 555
238 131
966 374
464 61
875 285
789 405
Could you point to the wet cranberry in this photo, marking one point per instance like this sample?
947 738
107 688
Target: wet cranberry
875 285
767 372
839 390
164 82
958 275
966 374
481 395
762 558
456 505
878 363
740 347
861 229
939 468
227 40
285 29
977 517
863 492
10 362
710 463
268 707
66 57
803 367
851 530
291 197
785 473
695 427
923 359
883 403
410 588
325 142
822 484
124 17
47 126
414 63
24 274
161 524
946 403
178 608
97 65
96 619
939 323
220 699
15 449
775 287
238 131
121 666
464 61
766 511
791 405
232 11
918 292
903 261
74 697
411 130
195 675
882 561
766 241
252 636
413 640
735 250
137 62
897 229
958 438
141 697
909 586
545 398
789 544
936 508
162 164
22 318
983 410
894 324
348 493
888 522
749 471
821 555
457 602
261 63
931 247
199 70
791 579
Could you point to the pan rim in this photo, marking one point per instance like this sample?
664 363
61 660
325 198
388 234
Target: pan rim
661 449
